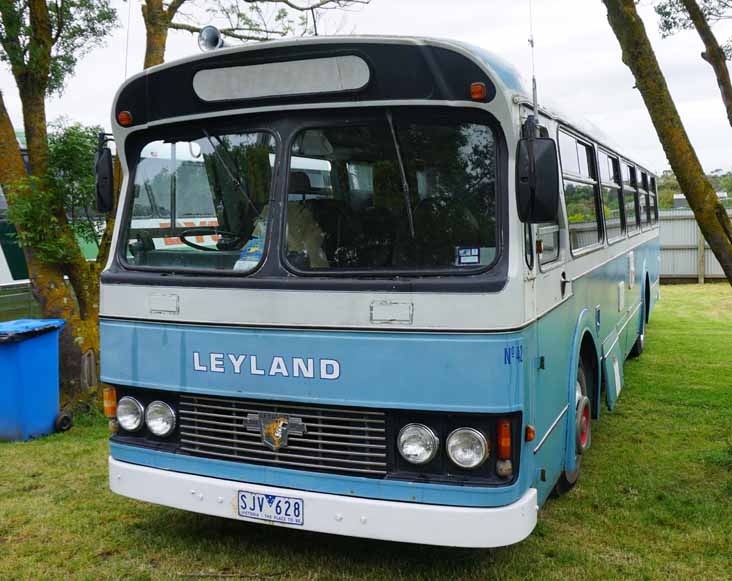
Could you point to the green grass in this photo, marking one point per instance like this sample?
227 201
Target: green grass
654 500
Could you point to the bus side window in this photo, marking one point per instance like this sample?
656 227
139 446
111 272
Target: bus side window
612 196
580 192
654 201
630 195
644 201
548 234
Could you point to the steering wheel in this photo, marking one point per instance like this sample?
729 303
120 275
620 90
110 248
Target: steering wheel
204 231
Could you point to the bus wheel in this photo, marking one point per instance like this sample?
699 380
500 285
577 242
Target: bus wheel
567 480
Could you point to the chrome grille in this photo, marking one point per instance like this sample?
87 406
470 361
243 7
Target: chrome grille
336 439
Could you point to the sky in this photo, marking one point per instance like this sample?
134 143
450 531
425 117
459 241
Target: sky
577 58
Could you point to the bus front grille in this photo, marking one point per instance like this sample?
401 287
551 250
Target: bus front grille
335 439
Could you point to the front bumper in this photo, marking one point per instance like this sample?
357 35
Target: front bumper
336 514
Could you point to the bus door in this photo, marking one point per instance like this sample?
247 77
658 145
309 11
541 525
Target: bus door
550 399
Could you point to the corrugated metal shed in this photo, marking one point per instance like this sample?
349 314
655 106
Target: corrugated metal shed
680 245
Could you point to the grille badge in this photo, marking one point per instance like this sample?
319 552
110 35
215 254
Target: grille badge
275 428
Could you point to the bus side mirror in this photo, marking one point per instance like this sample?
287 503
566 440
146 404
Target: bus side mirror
104 174
537 180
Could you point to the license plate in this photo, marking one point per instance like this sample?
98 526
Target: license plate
270 507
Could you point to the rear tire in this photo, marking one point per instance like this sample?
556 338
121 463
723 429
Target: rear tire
567 480
639 345
640 342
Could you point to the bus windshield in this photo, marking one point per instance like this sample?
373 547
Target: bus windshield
200 203
399 195
409 193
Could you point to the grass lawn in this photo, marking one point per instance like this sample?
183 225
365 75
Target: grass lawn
654 500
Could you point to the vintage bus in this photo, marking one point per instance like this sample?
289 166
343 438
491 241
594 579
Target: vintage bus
16 295
16 298
392 299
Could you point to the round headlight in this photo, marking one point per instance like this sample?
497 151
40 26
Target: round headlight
417 443
467 447
160 418
129 414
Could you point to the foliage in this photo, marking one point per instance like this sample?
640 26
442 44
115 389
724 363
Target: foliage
76 27
668 186
39 213
44 207
71 155
256 20
673 17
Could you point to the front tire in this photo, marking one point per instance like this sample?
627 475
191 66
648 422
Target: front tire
567 480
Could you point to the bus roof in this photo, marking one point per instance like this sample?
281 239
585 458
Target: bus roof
447 76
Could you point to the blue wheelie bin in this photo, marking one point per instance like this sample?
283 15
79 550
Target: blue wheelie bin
29 378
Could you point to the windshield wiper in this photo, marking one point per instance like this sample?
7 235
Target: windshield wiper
405 184
236 180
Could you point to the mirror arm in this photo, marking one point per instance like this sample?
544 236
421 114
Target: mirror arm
103 139
530 127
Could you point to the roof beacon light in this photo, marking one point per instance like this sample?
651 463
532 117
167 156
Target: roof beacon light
210 38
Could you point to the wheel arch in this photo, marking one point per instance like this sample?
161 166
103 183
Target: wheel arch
591 358
585 348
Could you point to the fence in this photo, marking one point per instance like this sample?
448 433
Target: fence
684 252
17 302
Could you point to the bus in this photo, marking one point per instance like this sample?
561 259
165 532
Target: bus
389 298
16 298
16 295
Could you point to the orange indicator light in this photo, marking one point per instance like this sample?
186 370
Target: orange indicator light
530 433
504 439
478 92
110 402
124 118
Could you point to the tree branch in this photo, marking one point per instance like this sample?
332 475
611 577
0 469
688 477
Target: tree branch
312 6
638 55
231 32
173 8
713 54
59 21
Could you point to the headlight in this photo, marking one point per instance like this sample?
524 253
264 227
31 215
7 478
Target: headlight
129 414
467 447
417 443
160 418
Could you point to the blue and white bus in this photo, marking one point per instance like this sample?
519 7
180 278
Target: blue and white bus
392 299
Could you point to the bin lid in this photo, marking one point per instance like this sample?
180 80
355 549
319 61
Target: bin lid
22 329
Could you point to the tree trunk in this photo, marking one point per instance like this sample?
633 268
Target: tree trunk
33 101
12 169
157 20
157 36
638 55
713 54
